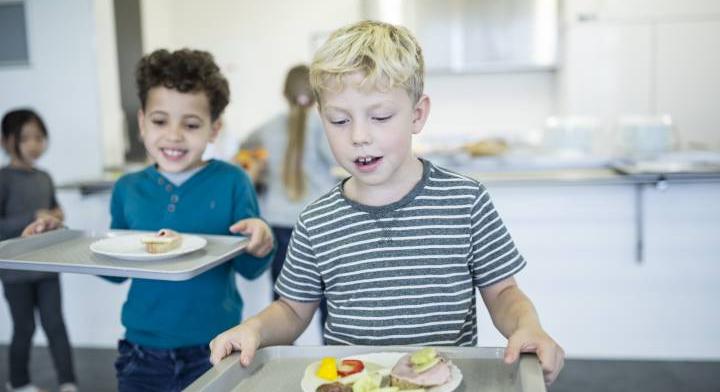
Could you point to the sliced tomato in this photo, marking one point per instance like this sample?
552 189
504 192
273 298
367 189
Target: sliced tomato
350 366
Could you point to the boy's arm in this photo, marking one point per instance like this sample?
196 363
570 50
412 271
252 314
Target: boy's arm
509 307
515 317
284 320
280 323
261 248
495 260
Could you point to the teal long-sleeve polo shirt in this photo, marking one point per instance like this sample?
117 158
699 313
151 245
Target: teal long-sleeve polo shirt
165 314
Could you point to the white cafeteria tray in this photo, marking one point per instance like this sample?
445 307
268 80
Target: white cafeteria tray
69 251
281 368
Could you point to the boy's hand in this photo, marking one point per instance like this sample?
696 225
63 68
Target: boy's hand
261 237
242 338
42 224
528 340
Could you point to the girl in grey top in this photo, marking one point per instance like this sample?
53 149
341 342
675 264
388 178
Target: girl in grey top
295 163
26 194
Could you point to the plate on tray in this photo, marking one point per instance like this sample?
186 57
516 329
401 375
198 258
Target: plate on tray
382 362
130 247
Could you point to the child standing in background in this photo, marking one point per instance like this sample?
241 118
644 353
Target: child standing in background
294 165
26 194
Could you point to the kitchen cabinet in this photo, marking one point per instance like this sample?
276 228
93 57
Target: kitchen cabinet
687 84
592 294
644 58
605 71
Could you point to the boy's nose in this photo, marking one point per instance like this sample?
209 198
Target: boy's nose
360 135
175 133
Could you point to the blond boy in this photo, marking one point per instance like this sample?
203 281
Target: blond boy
399 247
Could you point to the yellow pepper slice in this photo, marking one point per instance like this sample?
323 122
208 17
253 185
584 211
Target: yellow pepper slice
327 369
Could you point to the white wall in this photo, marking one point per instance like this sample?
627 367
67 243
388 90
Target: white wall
255 43
61 83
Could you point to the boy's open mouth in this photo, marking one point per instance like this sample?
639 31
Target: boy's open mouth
367 162
173 153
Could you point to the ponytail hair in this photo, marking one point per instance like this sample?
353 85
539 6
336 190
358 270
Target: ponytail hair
300 99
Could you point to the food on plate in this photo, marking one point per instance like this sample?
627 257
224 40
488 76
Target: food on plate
327 369
334 387
422 369
164 241
349 367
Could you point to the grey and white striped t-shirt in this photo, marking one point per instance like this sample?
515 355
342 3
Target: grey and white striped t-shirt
403 273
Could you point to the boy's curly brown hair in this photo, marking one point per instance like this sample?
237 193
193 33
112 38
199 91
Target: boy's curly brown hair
184 70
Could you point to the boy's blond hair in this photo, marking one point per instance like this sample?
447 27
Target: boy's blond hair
387 55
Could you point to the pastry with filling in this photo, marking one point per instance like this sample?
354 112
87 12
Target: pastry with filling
164 241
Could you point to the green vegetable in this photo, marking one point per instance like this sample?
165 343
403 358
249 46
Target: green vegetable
370 383
424 359
423 356
423 368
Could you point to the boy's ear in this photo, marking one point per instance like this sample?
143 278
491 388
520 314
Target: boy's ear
141 121
216 127
420 114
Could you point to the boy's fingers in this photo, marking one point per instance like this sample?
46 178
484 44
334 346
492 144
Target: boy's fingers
557 361
219 349
239 227
247 355
254 244
265 250
512 351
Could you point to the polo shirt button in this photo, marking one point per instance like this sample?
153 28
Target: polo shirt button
160 181
171 207
168 188
174 198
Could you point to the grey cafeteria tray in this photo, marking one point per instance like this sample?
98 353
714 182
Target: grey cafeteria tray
281 369
69 251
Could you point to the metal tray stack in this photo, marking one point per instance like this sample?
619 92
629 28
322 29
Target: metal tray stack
69 251
281 369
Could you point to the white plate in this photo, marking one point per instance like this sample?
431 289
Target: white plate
374 362
130 247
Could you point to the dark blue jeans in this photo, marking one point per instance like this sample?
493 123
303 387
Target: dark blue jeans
155 370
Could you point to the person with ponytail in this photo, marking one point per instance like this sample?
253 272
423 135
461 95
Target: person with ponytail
290 161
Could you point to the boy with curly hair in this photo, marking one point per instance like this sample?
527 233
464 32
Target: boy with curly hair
169 324
399 248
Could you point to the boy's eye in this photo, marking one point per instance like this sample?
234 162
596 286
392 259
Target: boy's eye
193 126
158 122
382 118
338 122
